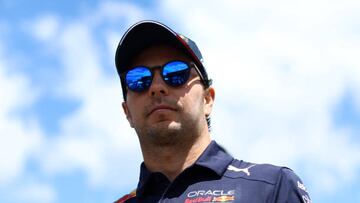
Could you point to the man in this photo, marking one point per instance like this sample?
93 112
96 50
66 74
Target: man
168 99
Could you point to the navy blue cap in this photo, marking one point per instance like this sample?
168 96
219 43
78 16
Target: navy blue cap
147 33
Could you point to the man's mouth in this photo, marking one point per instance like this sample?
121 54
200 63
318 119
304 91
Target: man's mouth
160 108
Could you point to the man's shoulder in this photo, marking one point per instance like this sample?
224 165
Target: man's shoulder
266 173
127 198
287 186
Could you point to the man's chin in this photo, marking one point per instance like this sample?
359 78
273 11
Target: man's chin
166 125
164 133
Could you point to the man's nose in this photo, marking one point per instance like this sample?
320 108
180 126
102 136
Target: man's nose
158 86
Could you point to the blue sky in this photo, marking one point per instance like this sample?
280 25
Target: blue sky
286 74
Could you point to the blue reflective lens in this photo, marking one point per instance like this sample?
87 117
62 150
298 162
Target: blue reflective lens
139 79
176 73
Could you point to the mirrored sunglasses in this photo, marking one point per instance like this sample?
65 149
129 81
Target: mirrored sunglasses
174 73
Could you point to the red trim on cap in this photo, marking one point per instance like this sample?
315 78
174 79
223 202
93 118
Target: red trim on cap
188 48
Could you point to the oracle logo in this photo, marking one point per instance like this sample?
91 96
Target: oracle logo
198 193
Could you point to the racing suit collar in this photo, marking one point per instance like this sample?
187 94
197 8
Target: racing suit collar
214 158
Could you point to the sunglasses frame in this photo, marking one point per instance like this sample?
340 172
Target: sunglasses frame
161 67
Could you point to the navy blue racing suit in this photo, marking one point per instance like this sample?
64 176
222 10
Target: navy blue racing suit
217 177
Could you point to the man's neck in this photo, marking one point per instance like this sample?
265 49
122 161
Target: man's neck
172 160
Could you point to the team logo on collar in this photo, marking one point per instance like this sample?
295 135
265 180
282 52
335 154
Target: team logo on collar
210 196
244 170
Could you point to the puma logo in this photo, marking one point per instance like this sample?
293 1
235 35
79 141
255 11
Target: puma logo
244 170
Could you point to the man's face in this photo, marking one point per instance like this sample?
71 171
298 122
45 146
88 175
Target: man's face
163 114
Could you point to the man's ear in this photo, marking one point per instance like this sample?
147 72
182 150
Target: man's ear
127 113
209 100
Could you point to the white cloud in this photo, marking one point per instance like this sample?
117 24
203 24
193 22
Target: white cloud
113 11
18 138
45 27
34 192
97 134
96 137
279 69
